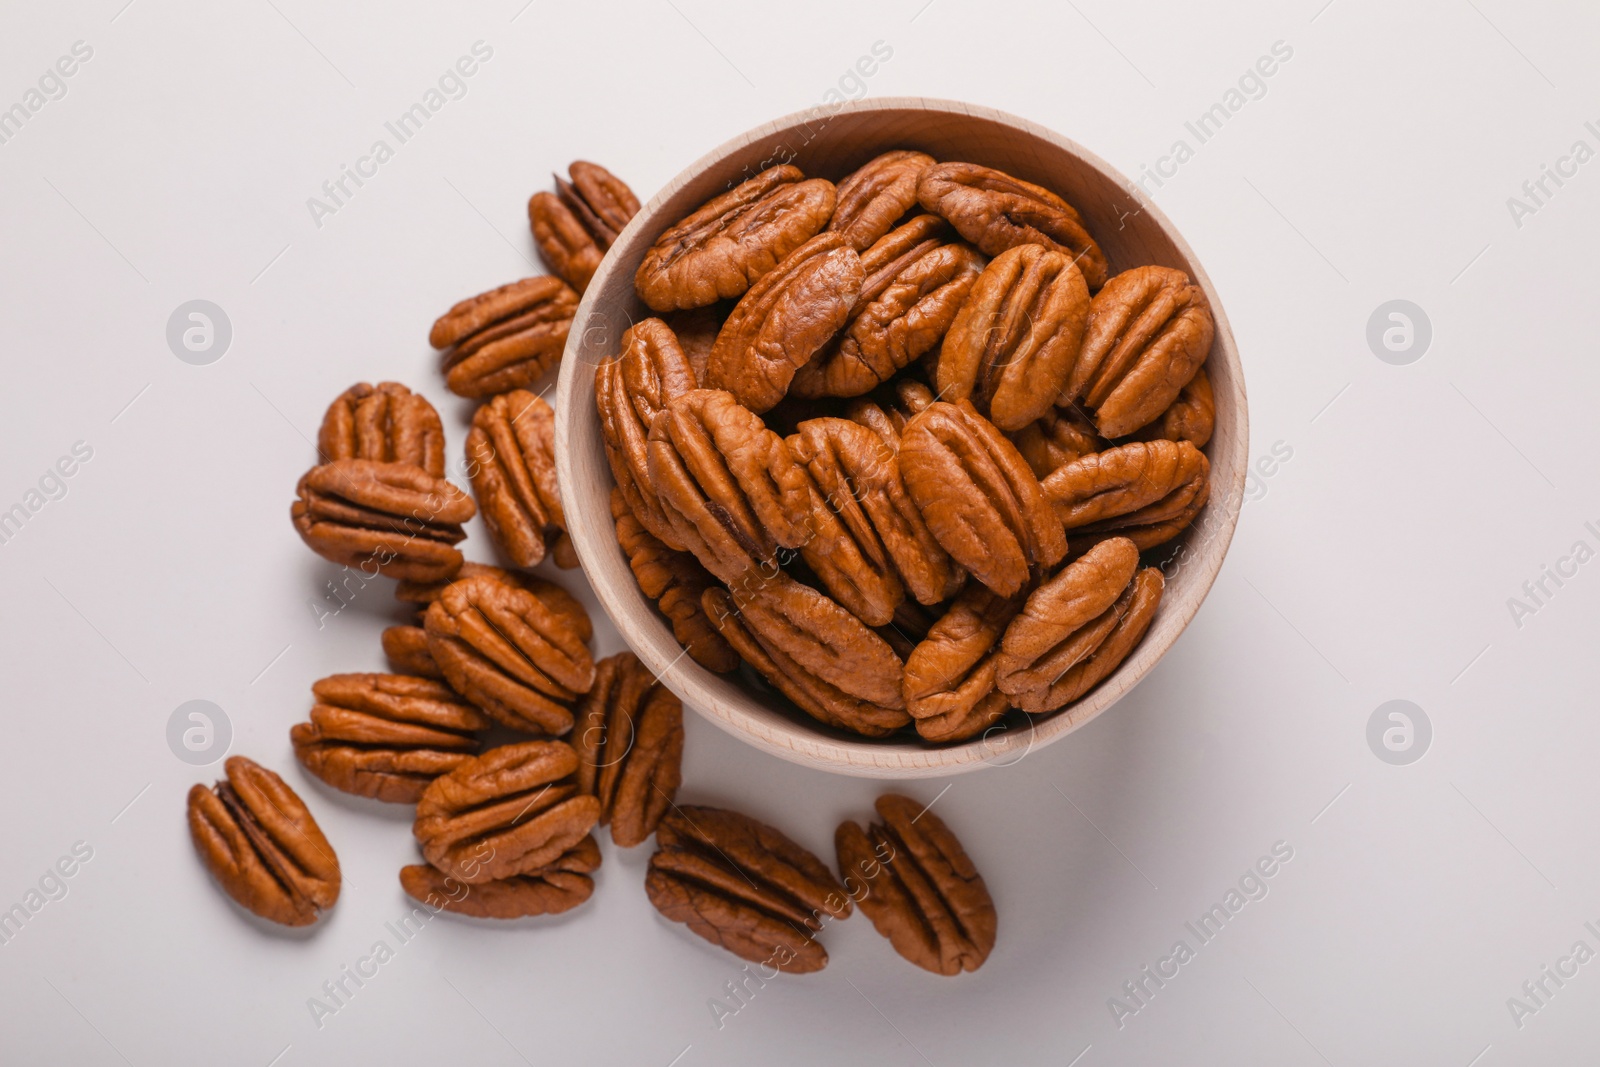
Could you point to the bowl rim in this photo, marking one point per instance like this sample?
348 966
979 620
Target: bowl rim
864 757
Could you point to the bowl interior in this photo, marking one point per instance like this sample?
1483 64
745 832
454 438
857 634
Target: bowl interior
830 144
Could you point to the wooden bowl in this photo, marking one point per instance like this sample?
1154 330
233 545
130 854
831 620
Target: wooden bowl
831 143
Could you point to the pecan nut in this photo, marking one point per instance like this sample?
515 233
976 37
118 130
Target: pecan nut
1192 416
732 493
513 810
509 652
1144 490
874 196
1149 331
696 330
385 736
261 844
1013 343
722 248
675 581
388 518
1055 439
554 596
629 740
922 891
950 675
887 411
914 286
385 422
744 886
512 463
554 888
995 211
406 648
978 497
506 338
576 225
784 320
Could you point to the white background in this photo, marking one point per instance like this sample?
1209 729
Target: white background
1374 564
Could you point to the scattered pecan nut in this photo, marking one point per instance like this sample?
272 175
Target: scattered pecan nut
261 844
978 497
510 653
722 248
1055 439
874 196
629 740
385 518
995 211
385 736
385 422
950 675
1149 331
406 648
744 886
675 581
554 888
506 338
554 596
576 225
1144 490
784 320
512 463
1013 343
1192 417
922 891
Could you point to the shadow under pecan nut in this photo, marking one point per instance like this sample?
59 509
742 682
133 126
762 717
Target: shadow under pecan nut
510 811
629 739
1149 331
1147 491
394 518
784 320
723 247
731 492
385 422
261 844
978 497
874 196
923 892
995 211
512 463
1013 343
575 226
744 886
552 889
504 649
506 338
950 675
385 736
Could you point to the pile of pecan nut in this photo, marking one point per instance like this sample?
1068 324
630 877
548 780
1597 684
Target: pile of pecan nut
497 724
904 445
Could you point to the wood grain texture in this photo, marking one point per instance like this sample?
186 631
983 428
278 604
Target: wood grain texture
830 143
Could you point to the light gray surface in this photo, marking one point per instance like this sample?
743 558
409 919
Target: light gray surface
1376 564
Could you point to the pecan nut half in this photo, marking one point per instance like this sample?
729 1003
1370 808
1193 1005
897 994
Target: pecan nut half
510 811
978 497
512 463
385 518
732 493
576 225
922 891
506 338
406 648
950 675
722 248
510 653
915 284
629 740
1149 331
554 596
784 320
385 422
554 888
1055 439
675 581
888 410
995 211
1144 490
630 390
875 195
1192 417
385 736
1014 341
260 843
744 886
697 330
